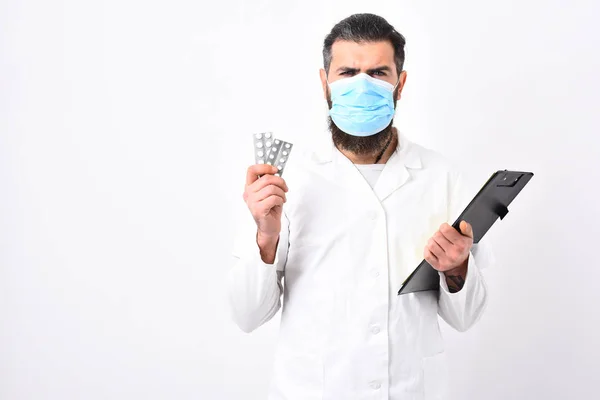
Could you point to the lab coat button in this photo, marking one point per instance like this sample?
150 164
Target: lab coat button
375 385
374 273
375 329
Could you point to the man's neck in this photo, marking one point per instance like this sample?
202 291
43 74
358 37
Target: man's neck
372 158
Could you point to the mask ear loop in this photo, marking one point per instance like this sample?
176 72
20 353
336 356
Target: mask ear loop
397 82
328 84
327 80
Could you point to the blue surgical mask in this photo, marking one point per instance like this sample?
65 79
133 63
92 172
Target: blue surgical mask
361 105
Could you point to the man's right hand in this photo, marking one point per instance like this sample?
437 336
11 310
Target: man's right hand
264 195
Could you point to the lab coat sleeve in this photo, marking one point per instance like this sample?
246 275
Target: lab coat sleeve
255 287
463 309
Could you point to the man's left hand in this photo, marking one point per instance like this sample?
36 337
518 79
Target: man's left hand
449 249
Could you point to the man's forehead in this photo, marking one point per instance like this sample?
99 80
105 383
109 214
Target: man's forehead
350 53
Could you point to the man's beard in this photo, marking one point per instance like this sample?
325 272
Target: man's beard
363 146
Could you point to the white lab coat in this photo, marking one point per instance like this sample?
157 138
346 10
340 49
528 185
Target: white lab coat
344 250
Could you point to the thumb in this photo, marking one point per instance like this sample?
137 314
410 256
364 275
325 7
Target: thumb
466 229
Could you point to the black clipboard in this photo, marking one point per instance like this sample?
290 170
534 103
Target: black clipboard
489 204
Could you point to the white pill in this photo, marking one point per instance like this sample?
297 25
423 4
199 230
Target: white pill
259 135
260 153
287 145
272 156
269 162
259 145
268 144
279 167
268 135
285 153
282 160
261 161
273 149
276 174
276 141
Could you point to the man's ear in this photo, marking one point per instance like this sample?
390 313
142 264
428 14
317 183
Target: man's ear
323 76
401 83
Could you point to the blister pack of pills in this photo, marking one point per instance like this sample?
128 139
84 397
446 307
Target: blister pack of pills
272 151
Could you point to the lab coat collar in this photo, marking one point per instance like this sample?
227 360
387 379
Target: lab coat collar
397 169
394 175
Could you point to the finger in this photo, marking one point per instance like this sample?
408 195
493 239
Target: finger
435 248
442 241
268 191
255 171
431 258
466 229
450 233
267 180
270 202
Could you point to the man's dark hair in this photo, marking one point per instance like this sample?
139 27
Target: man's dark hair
365 28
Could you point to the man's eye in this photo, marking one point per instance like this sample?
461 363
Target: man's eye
346 73
379 73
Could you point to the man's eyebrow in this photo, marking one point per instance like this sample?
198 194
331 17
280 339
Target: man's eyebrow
379 69
347 69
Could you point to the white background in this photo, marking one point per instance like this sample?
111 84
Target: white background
125 134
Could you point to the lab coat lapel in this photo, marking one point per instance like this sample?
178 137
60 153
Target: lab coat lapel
338 169
396 172
346 174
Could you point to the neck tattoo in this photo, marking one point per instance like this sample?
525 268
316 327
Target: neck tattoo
384 149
